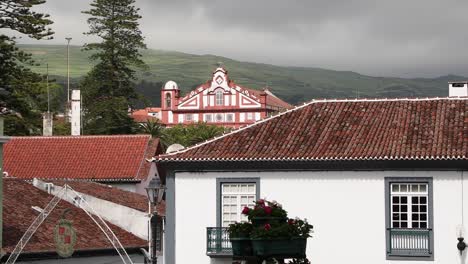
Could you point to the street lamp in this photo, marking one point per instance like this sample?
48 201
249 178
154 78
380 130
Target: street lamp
155 192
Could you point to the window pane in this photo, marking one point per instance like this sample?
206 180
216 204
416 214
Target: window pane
403 188
423 217
395 188
423 208
415 208
404 224
423 225
415 217
396 224
414 200
422 188
404 200
404 217
396 217
396 199
404 208
396 208
423 200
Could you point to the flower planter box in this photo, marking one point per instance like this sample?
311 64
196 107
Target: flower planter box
293 248
241 246
261 221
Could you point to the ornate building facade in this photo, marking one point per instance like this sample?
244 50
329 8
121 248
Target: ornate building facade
219 101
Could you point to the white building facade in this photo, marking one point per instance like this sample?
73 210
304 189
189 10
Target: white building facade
385 184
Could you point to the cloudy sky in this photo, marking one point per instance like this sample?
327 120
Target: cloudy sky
407 38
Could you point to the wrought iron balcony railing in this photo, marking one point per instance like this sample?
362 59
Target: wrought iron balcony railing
409 242
217 242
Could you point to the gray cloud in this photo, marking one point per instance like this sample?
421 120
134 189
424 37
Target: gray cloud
375 37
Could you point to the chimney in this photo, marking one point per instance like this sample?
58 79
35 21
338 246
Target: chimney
47 124
75 113
458 89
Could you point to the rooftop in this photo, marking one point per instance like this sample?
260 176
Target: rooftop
111 158
361 129
18 215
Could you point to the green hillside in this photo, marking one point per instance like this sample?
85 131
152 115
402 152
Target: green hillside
294 84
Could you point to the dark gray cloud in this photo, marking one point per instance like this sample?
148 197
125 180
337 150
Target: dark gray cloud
375 37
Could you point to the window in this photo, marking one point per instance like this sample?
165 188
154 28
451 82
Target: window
249 116
219 97
208 118
168 100
219 117
409 218
233 195
188 117
230 117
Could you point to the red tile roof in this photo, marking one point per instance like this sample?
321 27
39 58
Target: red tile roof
118 158
18 199
393 129
112 194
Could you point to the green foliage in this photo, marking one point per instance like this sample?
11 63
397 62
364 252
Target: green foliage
26 90
153 128
188 135
109 117
18 16
299 261
62 128
294 228
240 229
109 89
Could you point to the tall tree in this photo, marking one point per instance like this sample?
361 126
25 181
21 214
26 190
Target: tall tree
109 88
24 87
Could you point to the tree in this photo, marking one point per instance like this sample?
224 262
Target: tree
24 88
188 135
18 16
153 128
111 80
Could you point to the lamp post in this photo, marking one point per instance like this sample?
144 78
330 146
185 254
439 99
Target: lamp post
68 70
155 192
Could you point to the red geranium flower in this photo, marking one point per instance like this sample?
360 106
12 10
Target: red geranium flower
246 210
261 201
267 210
267 227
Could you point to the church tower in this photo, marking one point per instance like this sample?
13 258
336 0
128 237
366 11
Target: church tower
169 101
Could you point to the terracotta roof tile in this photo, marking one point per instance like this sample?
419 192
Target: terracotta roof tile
435 128
112 194
20 196
119 157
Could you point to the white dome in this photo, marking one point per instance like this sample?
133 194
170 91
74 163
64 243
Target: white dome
174 148
171 85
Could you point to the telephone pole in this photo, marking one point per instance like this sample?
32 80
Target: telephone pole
68 70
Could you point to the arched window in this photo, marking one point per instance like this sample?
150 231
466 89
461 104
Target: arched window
168 100
219 97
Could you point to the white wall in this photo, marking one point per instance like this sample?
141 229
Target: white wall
131 220
347 210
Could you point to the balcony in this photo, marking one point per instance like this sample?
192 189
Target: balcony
217 242
409 242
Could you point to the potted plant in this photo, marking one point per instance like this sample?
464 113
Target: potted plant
239 234
265 212
285 240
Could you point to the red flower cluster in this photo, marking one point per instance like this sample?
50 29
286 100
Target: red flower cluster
268 210
246 210
267 227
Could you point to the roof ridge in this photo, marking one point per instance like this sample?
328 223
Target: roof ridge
81 136
298 107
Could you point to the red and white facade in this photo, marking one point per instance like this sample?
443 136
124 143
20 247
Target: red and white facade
219 101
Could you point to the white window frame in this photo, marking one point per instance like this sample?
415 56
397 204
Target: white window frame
250 116
219 194
234 197
230 118
219 97
208 118
397 192
188 118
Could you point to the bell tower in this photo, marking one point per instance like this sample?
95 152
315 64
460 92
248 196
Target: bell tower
169 101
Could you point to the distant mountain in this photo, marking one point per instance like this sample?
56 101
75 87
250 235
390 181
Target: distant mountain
293 84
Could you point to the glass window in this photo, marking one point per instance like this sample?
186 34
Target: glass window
219 97
234 197
409 217
230 117
168 100
208 118
188 117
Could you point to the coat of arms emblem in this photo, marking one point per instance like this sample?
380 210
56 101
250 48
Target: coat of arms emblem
65 238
